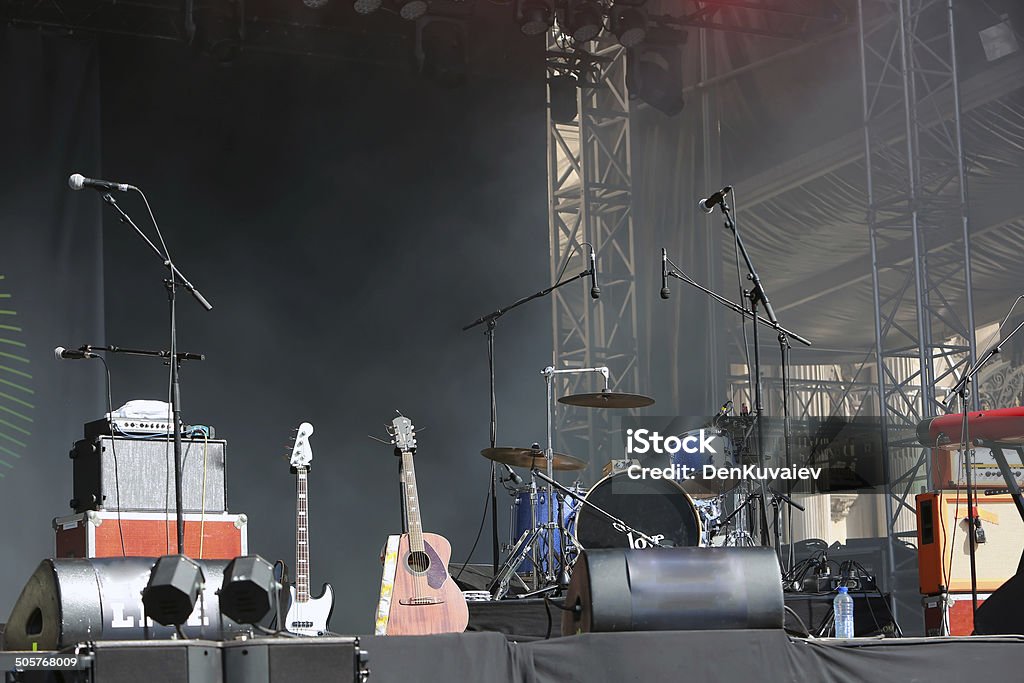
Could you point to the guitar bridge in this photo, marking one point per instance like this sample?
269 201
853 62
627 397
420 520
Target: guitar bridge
427 600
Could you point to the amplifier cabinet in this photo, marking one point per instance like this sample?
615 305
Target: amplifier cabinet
949 614
148 534
142 471
943 553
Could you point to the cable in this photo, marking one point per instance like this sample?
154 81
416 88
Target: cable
113 453
807 632
480 531
202 506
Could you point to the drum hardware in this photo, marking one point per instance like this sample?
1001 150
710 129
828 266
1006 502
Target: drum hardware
617 524
491 321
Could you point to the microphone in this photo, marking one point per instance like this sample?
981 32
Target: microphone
708 205
60 353
665 293
595 289
77 181
513 477
726 408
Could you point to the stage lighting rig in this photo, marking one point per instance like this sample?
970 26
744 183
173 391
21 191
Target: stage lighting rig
410 10
249 590
366 6
628 23
535 17
584 20
174 585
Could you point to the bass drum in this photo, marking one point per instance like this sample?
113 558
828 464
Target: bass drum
659 508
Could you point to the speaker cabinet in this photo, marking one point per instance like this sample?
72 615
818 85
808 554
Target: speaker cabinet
71 601
943 553
678 589
142 471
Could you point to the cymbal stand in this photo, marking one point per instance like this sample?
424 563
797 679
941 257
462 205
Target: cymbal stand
549 455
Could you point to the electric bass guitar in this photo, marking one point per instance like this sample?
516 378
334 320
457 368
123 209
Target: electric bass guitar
307 616
423 597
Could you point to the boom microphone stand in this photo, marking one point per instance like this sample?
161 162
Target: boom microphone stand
755 295
175 279
491 320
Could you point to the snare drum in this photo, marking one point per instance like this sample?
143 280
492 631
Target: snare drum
522 520
659 508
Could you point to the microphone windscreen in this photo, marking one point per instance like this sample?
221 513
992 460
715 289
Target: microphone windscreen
58 352
76 181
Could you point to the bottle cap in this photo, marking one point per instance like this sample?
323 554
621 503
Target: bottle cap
844 589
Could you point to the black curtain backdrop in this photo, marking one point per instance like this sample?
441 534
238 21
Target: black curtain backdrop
51 284
345 221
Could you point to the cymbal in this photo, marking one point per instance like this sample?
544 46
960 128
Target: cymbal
607 399
531 457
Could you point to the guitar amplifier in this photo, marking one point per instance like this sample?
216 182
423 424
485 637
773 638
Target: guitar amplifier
142 471
148 534
943 556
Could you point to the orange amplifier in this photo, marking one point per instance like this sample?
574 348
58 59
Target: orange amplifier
150 534
943 559
950 614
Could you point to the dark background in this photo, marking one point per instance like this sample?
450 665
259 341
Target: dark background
345 223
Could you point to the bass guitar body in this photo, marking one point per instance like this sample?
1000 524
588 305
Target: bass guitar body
426 600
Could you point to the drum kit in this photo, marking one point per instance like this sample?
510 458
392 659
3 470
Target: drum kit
551 523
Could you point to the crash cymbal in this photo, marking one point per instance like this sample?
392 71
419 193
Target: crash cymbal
531 457
607 399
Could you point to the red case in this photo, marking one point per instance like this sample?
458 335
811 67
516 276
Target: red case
150 534
954 609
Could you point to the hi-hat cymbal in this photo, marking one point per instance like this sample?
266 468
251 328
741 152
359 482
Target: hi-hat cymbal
607 399
532 457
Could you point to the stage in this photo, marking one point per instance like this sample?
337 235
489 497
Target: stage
615 657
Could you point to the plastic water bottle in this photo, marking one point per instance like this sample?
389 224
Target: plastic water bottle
843 608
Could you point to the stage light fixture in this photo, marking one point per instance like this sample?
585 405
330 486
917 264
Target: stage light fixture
249 589
562 97
366 6
174 585
628 24
441 50
654 71
584 20
411 10
535 17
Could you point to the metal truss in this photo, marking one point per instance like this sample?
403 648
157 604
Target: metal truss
916 193
589 200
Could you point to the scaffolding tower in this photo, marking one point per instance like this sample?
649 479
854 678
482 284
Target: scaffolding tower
589 193
917 206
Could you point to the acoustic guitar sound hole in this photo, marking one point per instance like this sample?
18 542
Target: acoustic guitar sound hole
418 561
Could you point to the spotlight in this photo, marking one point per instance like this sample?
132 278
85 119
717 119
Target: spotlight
366 6
441 50
654 71
563 104
411 10
535 16
584 20
172 591
628 24
249 589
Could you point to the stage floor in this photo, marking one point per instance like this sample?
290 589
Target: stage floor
693 656
705 656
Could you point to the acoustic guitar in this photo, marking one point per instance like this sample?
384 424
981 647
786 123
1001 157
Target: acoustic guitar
423 597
